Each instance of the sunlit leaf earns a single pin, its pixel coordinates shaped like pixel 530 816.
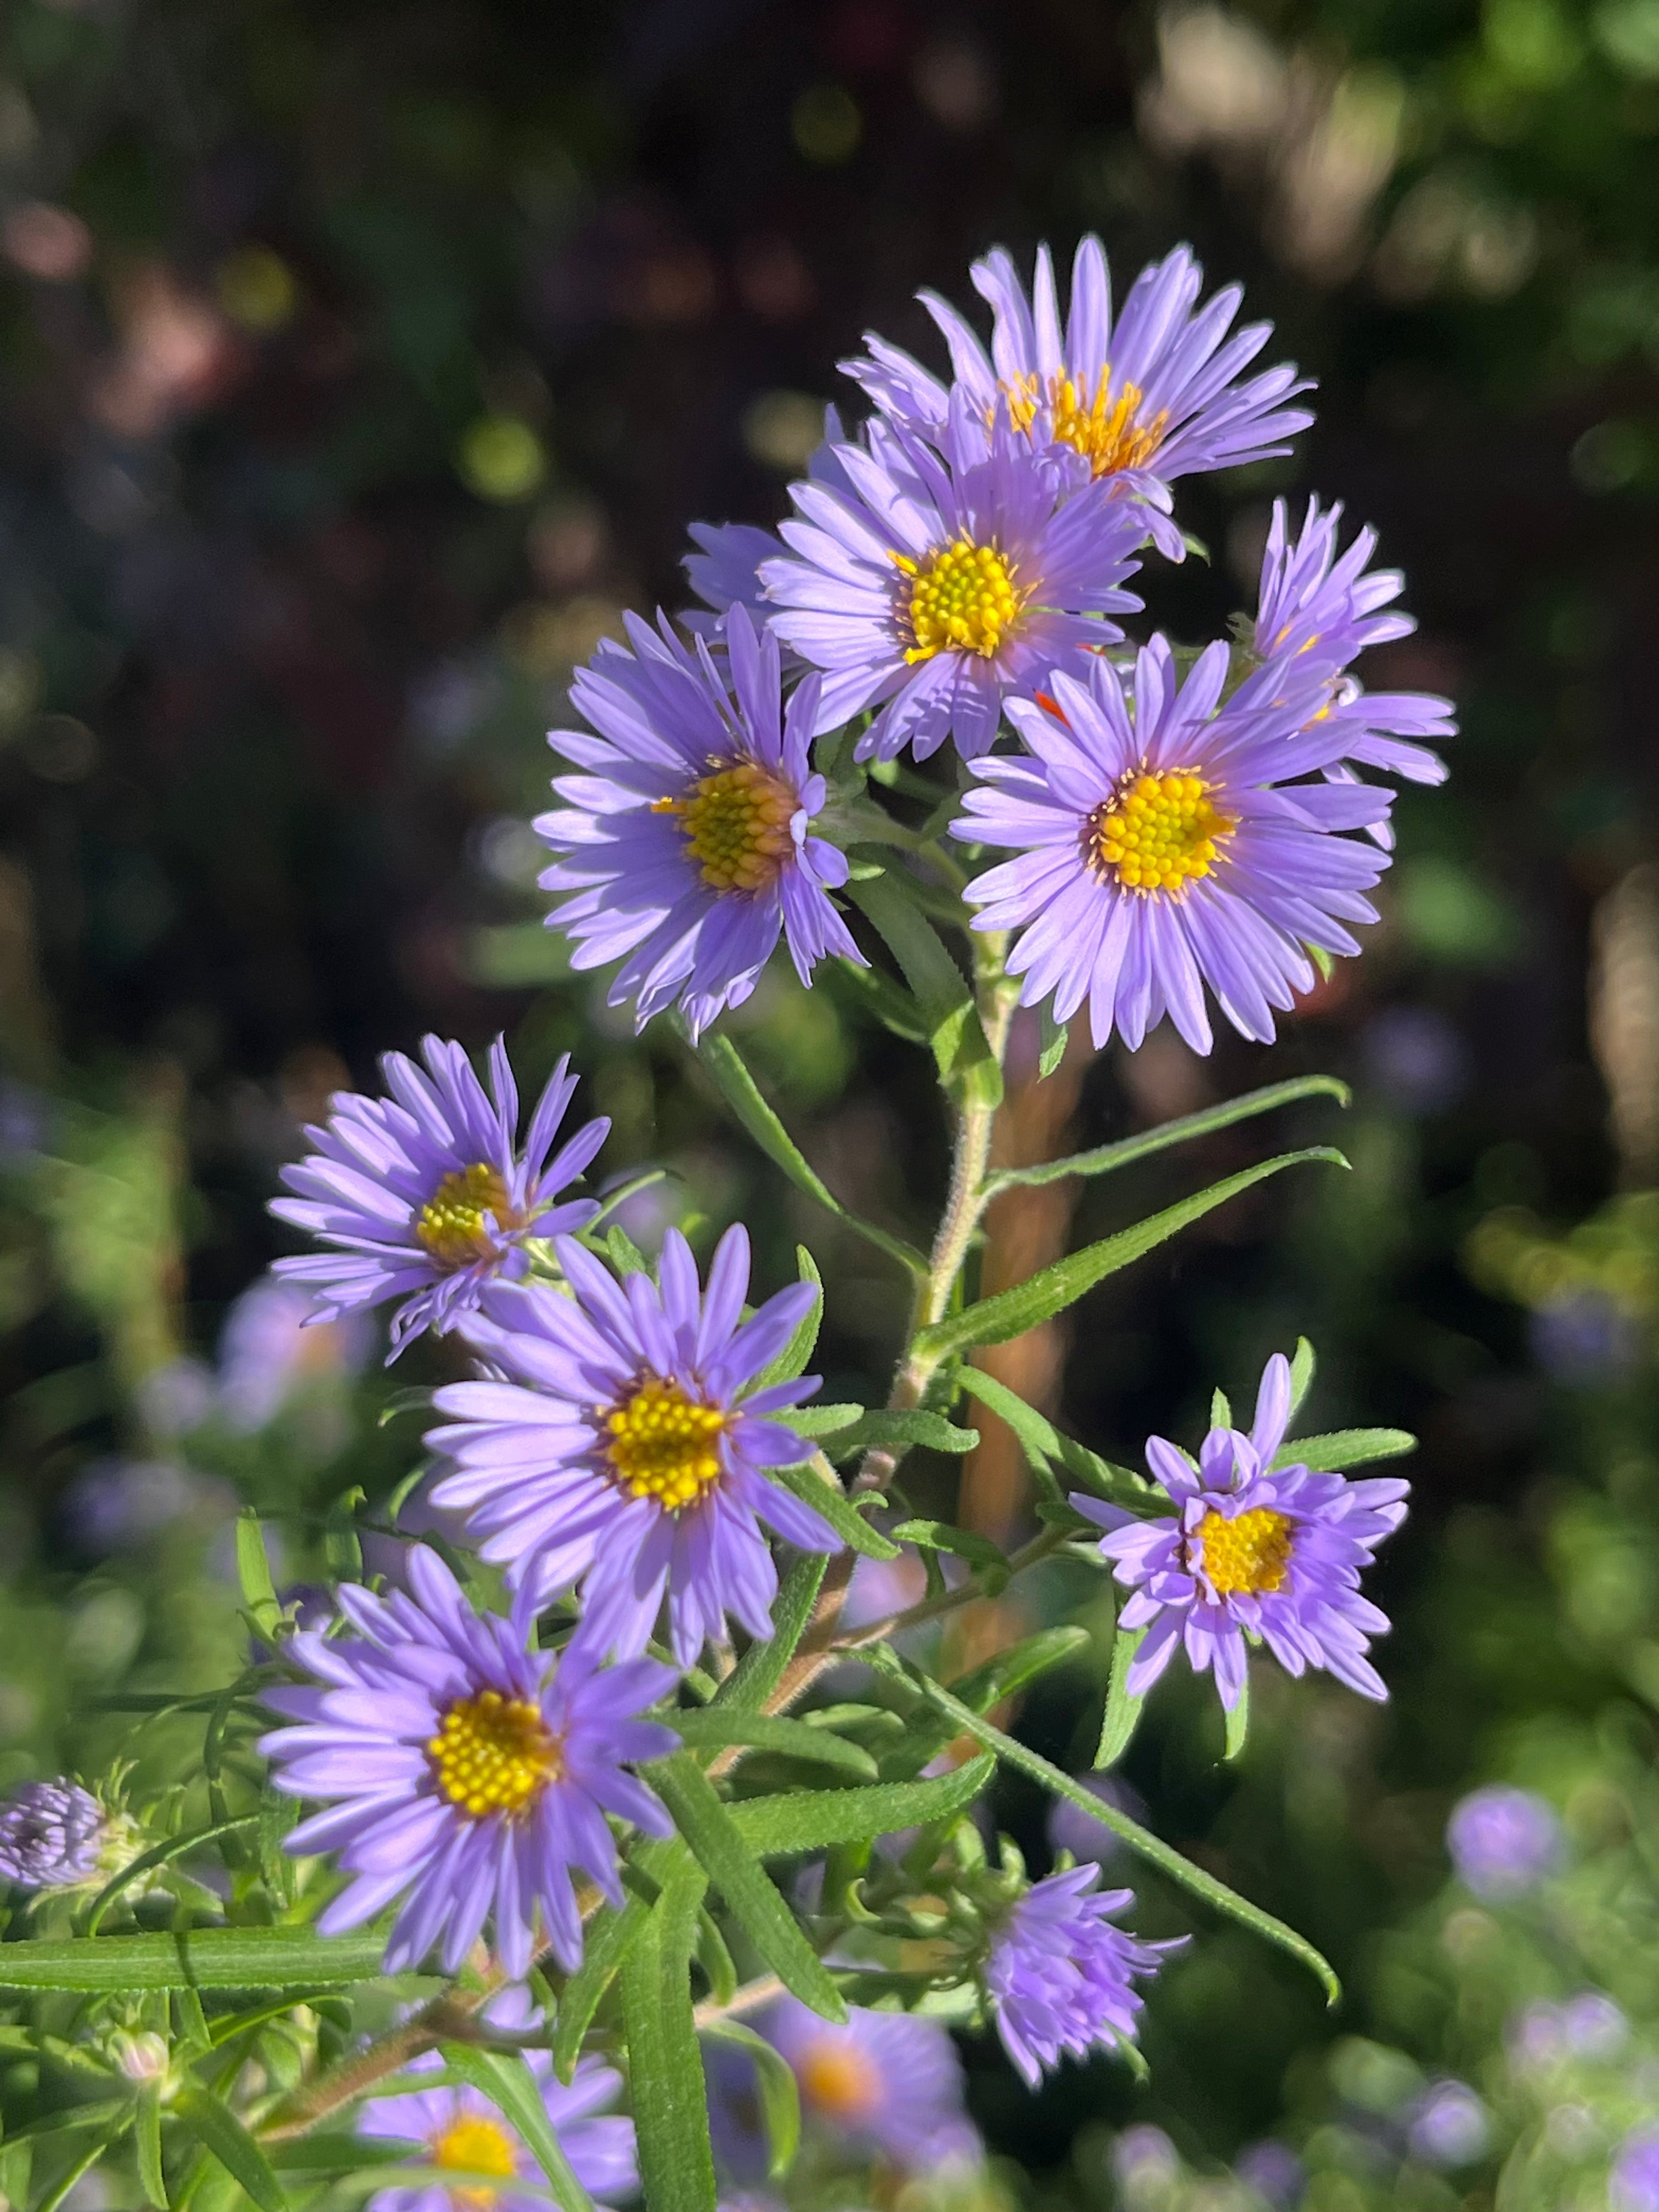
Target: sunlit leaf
pixel 1103 1158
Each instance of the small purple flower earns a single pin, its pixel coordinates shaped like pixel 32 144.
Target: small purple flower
pixel 622 1444
pixel 1633 2184
pixel 1159 394
pixel 467 1774
pixel 1256 1548
pixel 684 842
pixel 1589 2026
pixel 1450 2126
pixel 941 581
pixel 1059 1976
pixel 53 1835
pixel 276 1342
pixel 1162 845
pixel 1503 1842
pixel 458 2130
pixel 423 1195
pixel 1275 2174
pixel 885 2085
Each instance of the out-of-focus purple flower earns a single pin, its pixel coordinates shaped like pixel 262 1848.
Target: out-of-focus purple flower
pixel 1156 394
pixel 1145 2163
pixel 115 1503
pixel 425 1196
pixel 458 2130
pixel 1070 1828
pixel 1587 2026
pixel 1276 1552
pixel 1450 2126
pixel 1059 1976
pixel 174 1399
pixel 886 2085
pixel 684 842
pixel 1582 1337
pixel 467 1774
pixel 881 1587
pixel 622 1444
pixel 1633 2184
pixel 1416 1058
pixel 944 581
pixel 1274 2172
pixel 53 1836
pixel 1503 1842
pixel 278 1340
pixel 1161 843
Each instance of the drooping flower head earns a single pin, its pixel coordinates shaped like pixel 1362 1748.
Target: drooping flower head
pixel 1061 1977
pixel 884 2085
pixel 424 1196
pixel 1503 1842
pixel 942 579
pixel 1160 394
pixel 1275 1551
pixel 274 1345
pixel 466 1773
pixel 1162 844
pixel 685 842
pixel 461 2132
pixel 55 1835
pixel 623 1445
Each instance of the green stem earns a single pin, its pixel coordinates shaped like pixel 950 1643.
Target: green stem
pixel 877 1632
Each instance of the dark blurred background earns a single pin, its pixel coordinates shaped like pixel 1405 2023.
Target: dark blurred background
pixel 362 364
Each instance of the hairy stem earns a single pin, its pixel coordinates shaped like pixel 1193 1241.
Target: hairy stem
pixel 877 1632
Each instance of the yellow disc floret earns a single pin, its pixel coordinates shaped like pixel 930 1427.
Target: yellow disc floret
pixel 839 2080
pixel 964 598
pixel 665 1445
pixel 475 2144
pixel 1161 832
pixel 494 1755
pixel 1250 1553
pixel 736 821
pixel 451 1224
pixel 1106 428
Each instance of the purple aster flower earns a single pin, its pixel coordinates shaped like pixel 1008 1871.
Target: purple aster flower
pixel 1159 393
pixel 1161 845
pixel 1450 2126
pixel 457 2129
pixel 1255 1548
pixel 620 1443
pixel 467 1774
pixel 939 581
pixel 275 1342
pixel 1274 2172
pixel 423 1195
pixel 1503 1842
pixel 54 1835
pixel 1059 1976
pixel 885 2085
pixel 685 842
pixel 1633 2184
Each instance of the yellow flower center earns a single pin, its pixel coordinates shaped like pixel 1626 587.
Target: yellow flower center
pixel 1107 430
pixel 475 2145
pixel 494 1755
pixel 451 1224
pixel 665 1445
pixel 1251 1552
pixel 1159 833
pixel 839 2080
pixel 736 824
pixel 962 598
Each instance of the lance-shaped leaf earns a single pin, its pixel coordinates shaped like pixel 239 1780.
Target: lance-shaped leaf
pixel 886 1001
pixel 670 2098
pixel 715 1727
pixel 650 1868
pixel 707 1824
pixel 904 1429
pixel 147 2142
pixel 1345 1448
pixel 1237 1717
pixel 715 1958
pixel 742 1094
pixel 1104 1158
pixel 1302 1374
pixel 511 2087
pixel 980 1554
pixel 796 1354
pixel 1140 1840
pixel 818 1420
pixel 1053 1038
pixel 813 1820
pixel 198 1958
pixel 777 2091
pixel 223 2138
pixel 1122 1715
pixel 253 1574
pixel 760 1670
pixel 1005 1674
pixel 1051 1290
pixel 1047 1448
pixel 966 1064
pixel 827 1497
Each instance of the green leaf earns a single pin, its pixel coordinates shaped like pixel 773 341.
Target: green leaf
pixel 715 1959
pixel 417 1399
pixel 831 1501
pixel 813 1820
pixel 607 1941
pixel 742 1094
pixel 716 1726
pixel 1053 1038
pixel 1051 1290
pixel 794 1360
pixel 1122 1714
pixel 1302 1374
pixel 1036 1435
pixel 777 2090
pixel 1238 1723
pixel 966 1065
pixel 1344 1448
pixel 173 1847
pixel 197 1959
pixel 1103 1158
pixel 253 1574
pixel 147 2141
pixel 906 1430
pixel 670 2096
pixel 512 2089
pixel 888 1002
pixel 1140 1840
pixel 707 1824
pixel 1010 1671
pixel 336 2151
pixel 343 1551
pixel 223 2138
pixel 623 1254
pixel 760 1670
pixel 821 1420
pixel 980 1554
pixel 1221 1410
